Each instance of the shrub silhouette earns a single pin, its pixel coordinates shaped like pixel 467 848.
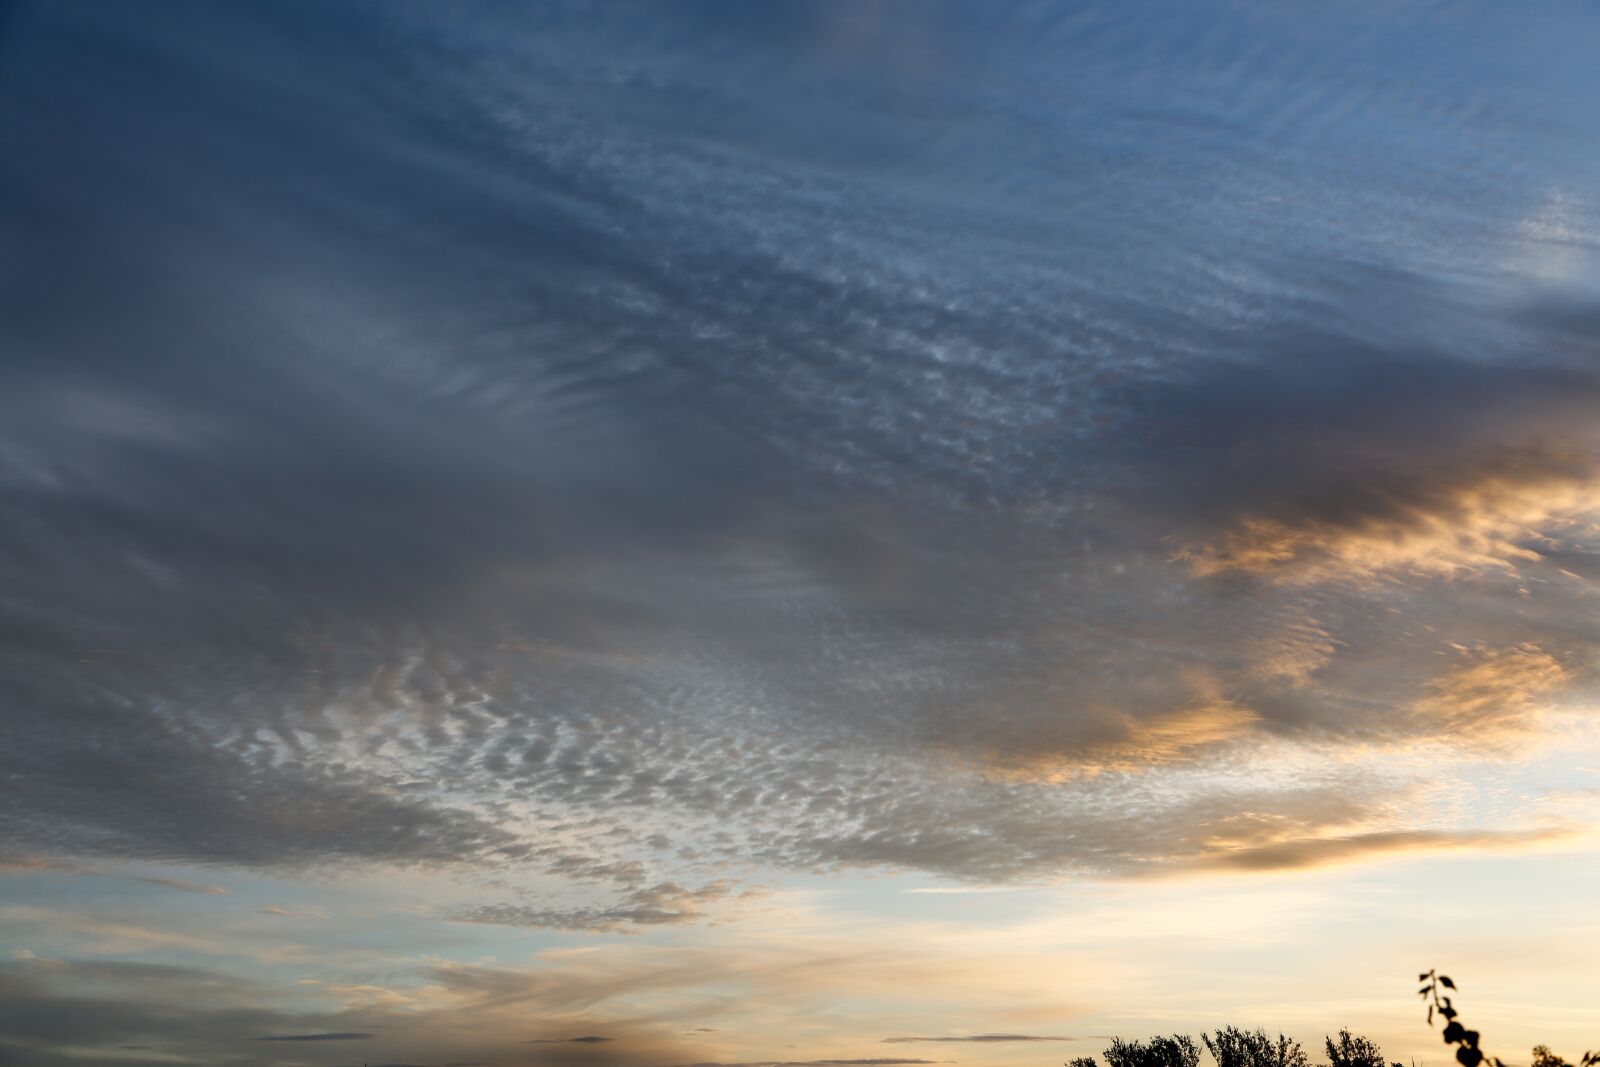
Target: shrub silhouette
pixel 1229 1046
pixel 1543 1057
pixel 1179 1050
pixel 1233 1047
pixel 1352 1050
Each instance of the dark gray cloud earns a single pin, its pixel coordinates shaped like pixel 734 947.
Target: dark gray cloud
pixel 424 442
pixel 318 1037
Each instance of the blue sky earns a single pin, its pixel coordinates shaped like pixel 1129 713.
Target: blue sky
pixel 748 531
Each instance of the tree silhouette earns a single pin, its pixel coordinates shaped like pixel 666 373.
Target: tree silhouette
pixel 1543 1057
pixel 1233 1047
pixel 1179 1050
pixel 1353 1051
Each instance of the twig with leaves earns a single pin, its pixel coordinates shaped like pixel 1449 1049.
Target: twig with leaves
pixel 1468 1054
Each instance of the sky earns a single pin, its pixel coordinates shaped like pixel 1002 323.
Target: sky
pixel 833 534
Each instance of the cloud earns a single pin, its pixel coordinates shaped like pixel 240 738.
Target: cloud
pixel 184 886
pixel 838 441
pixel 291 816
pixel 1496 520
pixel 665 903
pixel 804 505
pixel 587 1040
pixel 872 1062
pixel 1316 852
pixel 1494 697
pixel 1165 737
pixel 961 890
pixel 980 1038
pixel 100 1005
pixel 25 864
pixel 105 933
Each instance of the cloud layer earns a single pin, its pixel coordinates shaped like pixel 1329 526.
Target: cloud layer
pixel 627 464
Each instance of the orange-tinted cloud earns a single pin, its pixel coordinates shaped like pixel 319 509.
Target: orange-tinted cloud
pixel 1495 697
pixel 1491 519
pixel 1139 743
pixel 1324 851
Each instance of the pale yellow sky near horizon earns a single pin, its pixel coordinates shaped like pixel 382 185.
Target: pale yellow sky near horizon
pixel 831 968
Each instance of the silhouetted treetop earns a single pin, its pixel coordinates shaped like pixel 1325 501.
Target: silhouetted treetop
pixel 1350 1050
pixel 1543 1057
pixel 1233 1047
pixel 1179 1050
